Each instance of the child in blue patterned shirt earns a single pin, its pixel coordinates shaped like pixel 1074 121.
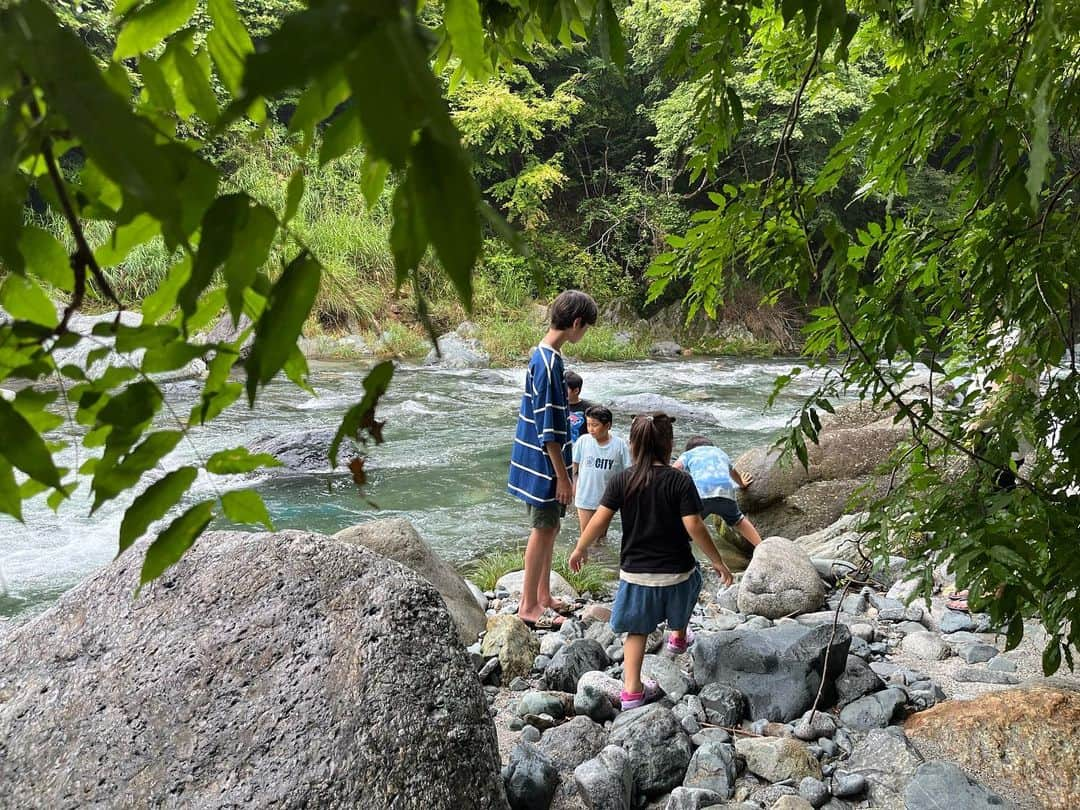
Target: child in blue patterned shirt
pixel 716 479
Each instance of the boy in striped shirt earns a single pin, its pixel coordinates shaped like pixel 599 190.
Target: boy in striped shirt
pixel 540 461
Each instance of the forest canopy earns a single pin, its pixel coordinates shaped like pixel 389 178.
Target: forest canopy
pixel 904 172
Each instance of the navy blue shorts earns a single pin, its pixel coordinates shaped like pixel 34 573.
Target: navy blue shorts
pixel 726 508
pixel 640 609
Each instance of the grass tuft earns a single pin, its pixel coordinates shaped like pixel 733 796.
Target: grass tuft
pixel 593 578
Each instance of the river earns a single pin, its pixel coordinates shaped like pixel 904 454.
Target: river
pixel 443 465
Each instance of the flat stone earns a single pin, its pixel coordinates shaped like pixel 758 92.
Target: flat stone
pixel 976 653
pixel 778 758
pixel 926 645
pixel 712 767
pixel 953 621
pixel 984 675
pixel 887 761
pixel 933 780
pixel 874 711
pixel 1001 664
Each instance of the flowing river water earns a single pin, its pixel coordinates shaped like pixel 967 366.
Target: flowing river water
pixel 443 465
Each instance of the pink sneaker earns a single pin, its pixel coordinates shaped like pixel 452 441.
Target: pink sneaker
pixel 649 693
pixel 678 645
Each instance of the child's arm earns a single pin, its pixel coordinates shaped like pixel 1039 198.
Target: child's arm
pixel 742 480
pixel 678 465
pixel 596 529
pixel 699 533
pixel 564 490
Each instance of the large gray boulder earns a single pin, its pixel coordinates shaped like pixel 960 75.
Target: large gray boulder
pixel 458 352
pixel 935 779
pixel 887 761
pixel 778 669
pixel 572 661
pixel 780 581
pixel 606 782
pixel 659 749
pixel 263 670
pixel 631 404
pixel 397 539
pixel 298 451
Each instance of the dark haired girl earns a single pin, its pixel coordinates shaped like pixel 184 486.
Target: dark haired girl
pixel 659 578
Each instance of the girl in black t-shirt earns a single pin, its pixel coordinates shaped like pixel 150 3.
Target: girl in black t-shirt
pixel 659 578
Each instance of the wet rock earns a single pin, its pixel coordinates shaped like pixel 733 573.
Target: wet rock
pixel 887 761
pixel 927 645
pixel 516 647
pixel 572 661
pixel 778 758
pixel 780 581
pixel 458 352
pixel 933 780
pixel 658 747
pixel 712 767
pixel 644 403
pixel 397 539
pixel 606 782
pixel 530 778
pixel 265 657
pixel 874 711
pixel 298 451
pixel 778 670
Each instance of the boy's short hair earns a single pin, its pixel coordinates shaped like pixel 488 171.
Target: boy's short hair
pixel 599 413
pixel 568 306
pixel 573 380
pixel 698 441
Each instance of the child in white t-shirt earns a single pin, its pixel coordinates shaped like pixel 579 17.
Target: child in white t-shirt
pixel 598 456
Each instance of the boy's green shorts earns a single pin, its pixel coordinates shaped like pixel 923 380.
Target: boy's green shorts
pixel 546 517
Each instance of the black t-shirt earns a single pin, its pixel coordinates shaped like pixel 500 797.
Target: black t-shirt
pixel 654 538
pixel 576 415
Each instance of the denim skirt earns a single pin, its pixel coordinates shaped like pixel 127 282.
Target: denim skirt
pixel 640 609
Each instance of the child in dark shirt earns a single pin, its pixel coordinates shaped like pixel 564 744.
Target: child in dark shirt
pixel 659 578
pixel 575 405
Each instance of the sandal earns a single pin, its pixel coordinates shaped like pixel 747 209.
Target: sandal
pixel 650 691
pixel 561 607
pixel 548 620
pixel 680 645
pixel 958 602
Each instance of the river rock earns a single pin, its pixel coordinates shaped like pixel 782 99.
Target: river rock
pixel 953 621
pixel 933 780
pixel 513 583
pixel 262 670
pixel 874 711
pixel 298 451
pixel 458 352
pixel 665 348
pixel 887 761
pixel 926 645
pixel 780 581
pixel 397 539
pixel 572 661
pixel 778 758
pixel 984 675
pixel 598 696
pixel 549 703
pixel 569 745
pixel 646 403
pixel 724 705
pixel 814 791
pixel 779 670
pixel 691 798
pixel 606 782
pixel 814 725
pixel 790 802
pixel 667 674
pixel 530 778
pixel 516 647
pixel 712 767
pixel 976 653
pixel 659 749
pixel 1028 739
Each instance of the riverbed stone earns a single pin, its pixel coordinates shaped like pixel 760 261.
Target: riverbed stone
pixel 530 778
pixel 925 644
pixel 569 745
pixel 874 711
pixel 820 724
pixel 276 659
pixel 659 749
pixel 712 767
pixel 647 402
pixel 976 653
pixel 306 451
pixel 1027 739
pixel 724 705
pixel 780 581
pixel 458 352
pixel 887 761
pixel 535 702
pixel 572 661
pixel 779 670
pixel 814 791
pixel 606 782
pixel 953 621
pixel 691 798
pixel 933 780
pixel 514 581
pixel 516 647
pixel 984 675
pixel 778 758
pixel 397 539
pixel 672 680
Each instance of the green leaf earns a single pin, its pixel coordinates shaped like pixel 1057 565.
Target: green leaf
pixel 293 195
pixel 373 179
pixel 830 18
pixel 246 506
pixel 24 448
pixel 160 302
pixel 342 136
pixel 10 500
pixel 279 326
pixel 463 24
pixel 46 258
pixel 447 198
pixel 408 240
pixel 1039 157
pixel 239 460
pixel 150 24
pixel 171 544
pixel 612 44
pixel 24 299
pixel 229 43
pixel 194 71
pixel 375 384
pixel 140 230
pixel 110 481
pixel 1051 658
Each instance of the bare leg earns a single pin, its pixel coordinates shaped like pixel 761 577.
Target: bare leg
pixel 536 588
pixel 679 634
pixel 633 655
pixel 747 530
pixel 584 516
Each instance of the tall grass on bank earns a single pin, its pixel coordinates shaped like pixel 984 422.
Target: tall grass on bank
pixel 593 578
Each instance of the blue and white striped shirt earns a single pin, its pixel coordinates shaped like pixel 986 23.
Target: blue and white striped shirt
pixel 543 418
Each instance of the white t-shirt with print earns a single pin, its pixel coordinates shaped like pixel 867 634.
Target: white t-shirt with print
pixel 597 464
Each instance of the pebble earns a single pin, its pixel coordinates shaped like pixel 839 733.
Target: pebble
pixel 814 791
pixel 540 663
pixel 1001 664
pixel 847 785
pixel 864 631
pixel 519 685
pixel 530 734
pixel 828 747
